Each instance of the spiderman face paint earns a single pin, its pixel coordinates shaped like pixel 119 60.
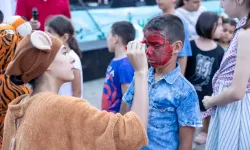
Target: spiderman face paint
pixel 159 50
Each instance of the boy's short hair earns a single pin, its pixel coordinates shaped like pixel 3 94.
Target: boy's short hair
pixel 232 22
pixel 1 16
pixel 206 23
pixel 125 30
pixel 171 25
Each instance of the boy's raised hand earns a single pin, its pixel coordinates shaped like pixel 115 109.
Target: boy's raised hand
pixel 137 56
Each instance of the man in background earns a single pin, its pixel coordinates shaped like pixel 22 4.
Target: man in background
pixel 45 9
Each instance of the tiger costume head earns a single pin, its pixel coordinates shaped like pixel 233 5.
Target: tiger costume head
pixel 21 25
pixel 8 42
pixel 11 33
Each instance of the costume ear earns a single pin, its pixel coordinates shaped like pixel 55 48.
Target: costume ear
pixel 41 40
pixel 24 29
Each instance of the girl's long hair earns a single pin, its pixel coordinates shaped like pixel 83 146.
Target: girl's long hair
pixel 61 25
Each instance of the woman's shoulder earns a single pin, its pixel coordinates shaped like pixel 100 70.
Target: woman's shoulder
pixel 54 98
pixel 58 103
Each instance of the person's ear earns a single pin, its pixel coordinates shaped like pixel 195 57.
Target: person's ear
pixel 116 39
pixel 177 47
pixel 65 37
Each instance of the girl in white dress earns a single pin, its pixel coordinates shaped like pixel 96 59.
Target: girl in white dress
pixel 61 27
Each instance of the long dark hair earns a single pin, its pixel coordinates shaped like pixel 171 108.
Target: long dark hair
pixel 230 21
pixel 61 25
pixel 247 25
pixel 179 3
pixel 205 24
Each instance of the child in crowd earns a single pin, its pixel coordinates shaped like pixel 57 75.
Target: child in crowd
pixel 190 10
pixel 173 102
pixel 229 26
pixel 168 7
pixel 206 59
pixel 61 27
pixel 120 72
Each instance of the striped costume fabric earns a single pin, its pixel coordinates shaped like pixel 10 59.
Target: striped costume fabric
pixel 8 91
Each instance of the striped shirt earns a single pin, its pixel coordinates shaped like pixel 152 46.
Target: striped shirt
pixel 226 71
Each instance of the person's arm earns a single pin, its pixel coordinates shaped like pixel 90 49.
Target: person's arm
pixel 140 105
pixel 127 99
pixel 23 10
pixel 124 106
pixel 94 127
pixel 241 76
pixel 137 56
pixel 124 88
pixel 126 73
pixel 183 64
pixel 121 132
pixel 189 117
pixel 186 138
pixel 76 83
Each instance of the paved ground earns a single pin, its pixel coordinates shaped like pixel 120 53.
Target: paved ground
pixel 93 92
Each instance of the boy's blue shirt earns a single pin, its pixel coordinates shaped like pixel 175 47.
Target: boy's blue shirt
pixel 186 50
pixel 119 72
pixel 173 102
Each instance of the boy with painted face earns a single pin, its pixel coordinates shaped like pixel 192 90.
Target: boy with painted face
pixel 168 7
pixel 173 103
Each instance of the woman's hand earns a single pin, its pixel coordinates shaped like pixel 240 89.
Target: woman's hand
pixel 207 102
pixel 137 56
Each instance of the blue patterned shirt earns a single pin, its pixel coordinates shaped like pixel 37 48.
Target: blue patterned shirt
pixel 173 102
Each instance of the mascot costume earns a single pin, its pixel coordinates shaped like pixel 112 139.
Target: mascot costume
pixel 11 33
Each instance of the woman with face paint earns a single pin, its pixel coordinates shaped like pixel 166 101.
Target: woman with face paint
pixel 206 59
pixel 174 106
pixel 230 118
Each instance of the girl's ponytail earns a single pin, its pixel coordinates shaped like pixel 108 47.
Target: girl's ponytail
pixel 61 25
pixel 74 46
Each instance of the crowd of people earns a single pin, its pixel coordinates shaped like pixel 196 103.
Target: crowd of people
pixel 190 71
